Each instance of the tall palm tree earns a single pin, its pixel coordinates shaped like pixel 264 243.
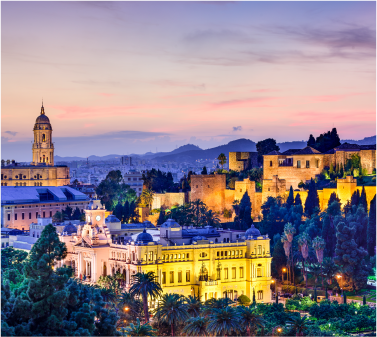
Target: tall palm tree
pixel 197 210
pixel 144 285
pixel 223 322
pixel 222 159
pixel 139 329
pixel 172 309
pixel 250 318
pixel 193 305
pixel 146 197
pixel 108 295
pixel 211 219
pixel 330 269
pixel 299 324
pixel 214 303
pixel 196 326
pixel 316 271
pixel 129 305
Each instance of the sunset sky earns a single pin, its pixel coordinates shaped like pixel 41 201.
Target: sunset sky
pixel 130 77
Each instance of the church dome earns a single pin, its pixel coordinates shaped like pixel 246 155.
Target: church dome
pixel 253 232
pixel 144 237
pixel 170 223
pixel 42 119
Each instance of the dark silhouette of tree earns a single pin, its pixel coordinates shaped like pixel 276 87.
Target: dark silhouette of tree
pixel 363 200
pixel 371 231
pixel 327 141
pixel 161 218
pixel 298 200
pixel 266 146
pixel 312 201
pixel 290 199
pixel 204 171
pixel 333 197
pixel 311 141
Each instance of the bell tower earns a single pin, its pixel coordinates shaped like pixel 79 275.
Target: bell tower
pixel 43 148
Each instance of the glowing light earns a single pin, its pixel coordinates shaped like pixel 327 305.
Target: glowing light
pixel 126 308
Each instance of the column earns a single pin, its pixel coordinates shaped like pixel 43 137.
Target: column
pixel 79 264
pixel 94 268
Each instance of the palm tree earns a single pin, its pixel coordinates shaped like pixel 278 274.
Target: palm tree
pixel 139 330
pixel 299 324
pixel 197 209
pixel 144 285
pixel 108 295
pixel 129 305
pixel 316 271
pixel 214 303
pixel 250 318
pixel 211 219
pixel 193 305
pixel 196 326
pixel 223 322
pixel 222 159
pixel 172 309
pixel 329 269
pixel 303 242
pixel 146 197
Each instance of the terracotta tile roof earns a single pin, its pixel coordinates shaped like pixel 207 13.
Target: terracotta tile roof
pixel 346 146
pixel 308 150
pixel 273 153
pixel 368 147
pixel 290 151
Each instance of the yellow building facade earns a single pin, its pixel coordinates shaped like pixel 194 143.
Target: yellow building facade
pixel 202 266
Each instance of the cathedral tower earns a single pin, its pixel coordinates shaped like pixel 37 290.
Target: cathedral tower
pixel 43 148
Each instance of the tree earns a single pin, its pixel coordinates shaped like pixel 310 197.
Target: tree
pixel 279 259
pixel 172 310
pixel 298 200
pixel 194 305
pixel 299 324
pixel 222 160
pixel 249 318
pixel 139 329
pixel 333 197
pixel 303 242
pixel 118 211
pixel 329 269
pixel 312 201
pixel 243 300
pixel 126 211
pixel 355 198
pixel 196 326
pixel 311 141
pixel 211 219
pixel 371 231
pixel 329 220
pixel 266 146
pixel 146 197
pixel 223 321
pixel 350 258
pixel 68 213
pixel 161 218
pixel 144 285
pixel 290 199
pixel 129 307
pixel 244 213
pixel 58 217
pixel 76 214
pixel 197 210
pixel 327 141
pixel 359 220
pixel 204 171
pixel 363 200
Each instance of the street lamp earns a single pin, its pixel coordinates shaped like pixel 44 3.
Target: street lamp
pixel 273 281
pixel 279 330
pixel 284 270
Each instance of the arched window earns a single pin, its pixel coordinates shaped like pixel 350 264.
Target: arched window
pixel 16 184
pixel 43 138
pixel 44 158
pixel 260 294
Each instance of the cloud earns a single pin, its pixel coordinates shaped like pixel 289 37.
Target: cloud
pixel 237 128
pixel 12 133
pixel 4 139
pixel 239 102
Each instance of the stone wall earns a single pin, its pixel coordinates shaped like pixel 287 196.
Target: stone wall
pixel 167 200
pixel 368 160
pixel 239 161
pixel 273 187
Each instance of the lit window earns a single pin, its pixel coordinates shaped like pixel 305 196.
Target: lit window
pixel 298 163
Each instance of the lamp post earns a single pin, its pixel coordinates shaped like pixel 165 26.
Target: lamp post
pixel 284 270
pixel 274 281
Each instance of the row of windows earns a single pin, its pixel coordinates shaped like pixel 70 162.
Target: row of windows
pixel 20 176
pixel 230 253
pixel 171 257
pixel 234 273
pixel 23 216
pixel 134 179
pixel 299 163
pixel 4 244
pixel 171 277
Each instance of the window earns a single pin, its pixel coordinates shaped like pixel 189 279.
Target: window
pixel 233 272
pixel 260 294
pixel 259 250
pixel 50 214
pixel 241 272
pixel 298 163
pixel 225 273
pixel 36 215
pixel 23 216
pixel 307 164
pixel 317 163
pixel 232 252
pixel 259 272
pixel 15 217
pixel 197 186
pixel 163 277
pixel 8 217
pixel 268 189
pixel 179 277
pixel 187 276
pixel 218 253
pixel 172 277
pixel 270 163
pixel 44 214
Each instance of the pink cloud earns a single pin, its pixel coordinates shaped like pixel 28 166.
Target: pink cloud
pixel 240 102
pixel 88 125
pixel 333 98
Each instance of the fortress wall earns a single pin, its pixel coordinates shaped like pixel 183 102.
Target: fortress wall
pixel 257 205
pixel 168 200
pixel 238 161
pixel 229 199
pixel 368 160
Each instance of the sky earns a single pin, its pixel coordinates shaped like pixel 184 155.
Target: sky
pixel 133 77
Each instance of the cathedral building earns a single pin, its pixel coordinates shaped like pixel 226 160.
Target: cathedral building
pixel 41 171
pixel 211 262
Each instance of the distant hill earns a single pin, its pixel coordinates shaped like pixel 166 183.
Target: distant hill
pixel 242 144
pixel 365 141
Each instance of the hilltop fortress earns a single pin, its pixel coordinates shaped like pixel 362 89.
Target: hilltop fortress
pixel 280 172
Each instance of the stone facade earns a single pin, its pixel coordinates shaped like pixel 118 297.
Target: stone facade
pixel 240 161
pixel 167 200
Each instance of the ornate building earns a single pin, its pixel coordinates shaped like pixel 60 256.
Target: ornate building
pixel 210 262
pixel 41 171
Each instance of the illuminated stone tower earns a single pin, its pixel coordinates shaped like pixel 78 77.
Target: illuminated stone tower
pixel 43 148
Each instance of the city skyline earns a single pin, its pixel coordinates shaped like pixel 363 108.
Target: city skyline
pixel 120 77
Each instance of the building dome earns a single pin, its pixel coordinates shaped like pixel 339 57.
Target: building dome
pixel 42 121
pixel 144 237
pixel 170 223
pixel 253 232
pixel 69 229
pixel 198 237
pixel 112 218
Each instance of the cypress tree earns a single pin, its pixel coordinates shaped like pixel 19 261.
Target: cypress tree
pixel 254 301
pixel 355 198
pixel 344 298
pixel 247 221
pixel 126 211
pixel 298 200
pixel 333 197
pixel 326 294
pixel 312 201
pixel 311 141
pixel 364 300
pixel 290 199
pixel 161 218
pixel 363 200
pixel 341 170
pixel 244 204
pixel 118 211
pixel 204 171
pixel 76 214
pixel 337 169
pixel 315 294
pixel 371 230
pixel 331 169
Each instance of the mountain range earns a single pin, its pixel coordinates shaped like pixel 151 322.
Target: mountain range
pixel 190 152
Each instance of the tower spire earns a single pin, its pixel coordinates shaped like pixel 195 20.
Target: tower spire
pixel 42 109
